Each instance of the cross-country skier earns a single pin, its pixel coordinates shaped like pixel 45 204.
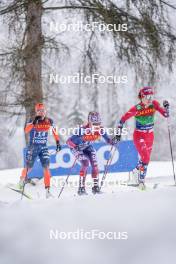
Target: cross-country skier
pixel 38 129
pixel 81 147
pixel 143 135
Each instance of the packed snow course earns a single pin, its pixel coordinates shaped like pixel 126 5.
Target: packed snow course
pixel 147 218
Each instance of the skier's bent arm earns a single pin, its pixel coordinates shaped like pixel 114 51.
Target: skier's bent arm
pixel 132 112
pixel 54 130
pixel 31 124
pixel 163 111
pixel 28 127
pixel 57 139
pixel 55 134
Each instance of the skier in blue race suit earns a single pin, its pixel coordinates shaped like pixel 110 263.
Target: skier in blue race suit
pixel 38 137
pixel 81 147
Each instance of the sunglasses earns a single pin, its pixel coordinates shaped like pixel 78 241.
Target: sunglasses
pixel 40 111
pixel 149 97
pixel 96 124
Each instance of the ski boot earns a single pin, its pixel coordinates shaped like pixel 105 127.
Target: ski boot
pixel 142 174
pixel 96 188
pixel 133 181
pixel 142 186
pixel 48 193
pixel 30 181
pixel 82 191
pixel 21 184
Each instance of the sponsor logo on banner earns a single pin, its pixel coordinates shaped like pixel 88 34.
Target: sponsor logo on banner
pixel 124 160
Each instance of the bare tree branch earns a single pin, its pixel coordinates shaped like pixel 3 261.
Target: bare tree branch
pixel 166 3
pixel 68 7
pixel 12 7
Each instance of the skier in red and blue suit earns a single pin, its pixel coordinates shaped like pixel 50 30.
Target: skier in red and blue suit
pixel 81 147
pixel 143 136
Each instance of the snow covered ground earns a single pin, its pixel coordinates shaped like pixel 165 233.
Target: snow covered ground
pixel 145 220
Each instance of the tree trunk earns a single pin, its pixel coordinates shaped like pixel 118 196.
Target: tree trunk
pixel 32 57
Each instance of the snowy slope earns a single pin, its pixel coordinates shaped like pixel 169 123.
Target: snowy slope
pixel 149 219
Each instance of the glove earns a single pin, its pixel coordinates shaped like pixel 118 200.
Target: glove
pixel 37 118
pixel 77 153
pixel 58 146
pixel 166 104
pixel 113 141
pixel 117 137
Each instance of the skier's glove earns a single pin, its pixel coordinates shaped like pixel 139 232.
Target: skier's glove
pixel 113 141
pixel 77 152
pixel 117 137
pixel 166 104
pixel 58 146
pixel 37 118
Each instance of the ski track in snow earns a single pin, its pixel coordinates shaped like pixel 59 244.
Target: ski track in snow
pixel 149 218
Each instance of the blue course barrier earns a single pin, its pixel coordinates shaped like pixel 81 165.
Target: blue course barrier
pixel 124 160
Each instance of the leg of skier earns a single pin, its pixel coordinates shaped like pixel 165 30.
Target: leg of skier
pixel 91 153
pixel 31 155
pixel 81 156
pixel 82 175
pixel 143 142
pixel 45 161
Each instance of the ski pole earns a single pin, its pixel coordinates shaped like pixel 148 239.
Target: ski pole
pixel 171 150
pixel 107 164
pixel 66 181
